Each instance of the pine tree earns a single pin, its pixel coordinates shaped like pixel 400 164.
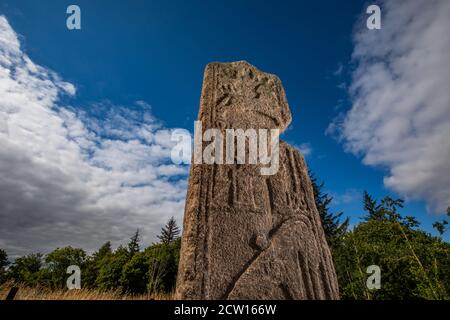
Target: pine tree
pixel 369 203
pixel 133 245
pixel 169 232
pixel 104 250
pixel 3 264
pixel 389 208
pixel 3 259
pixel 441 226
pixel 386 210
pixel 371 207
pixel 331 223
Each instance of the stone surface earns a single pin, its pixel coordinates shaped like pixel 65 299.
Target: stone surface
pixel 245 235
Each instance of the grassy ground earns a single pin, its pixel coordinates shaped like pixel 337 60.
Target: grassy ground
pixel 40 293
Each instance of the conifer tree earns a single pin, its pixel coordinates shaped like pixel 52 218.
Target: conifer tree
pixel 331 223
pixel 169 232
pixel 133 245
pixel 370 206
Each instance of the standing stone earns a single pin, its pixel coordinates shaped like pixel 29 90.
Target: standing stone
pixel 246 235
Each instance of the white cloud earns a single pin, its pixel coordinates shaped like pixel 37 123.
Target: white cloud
pixel 77 178
pixel 339 70
pixel 400 114
pixel 346 197
pixel 304 148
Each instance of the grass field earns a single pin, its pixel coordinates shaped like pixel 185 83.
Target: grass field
pixel 42 293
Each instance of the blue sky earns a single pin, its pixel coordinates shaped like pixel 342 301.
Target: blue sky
pixel 154 52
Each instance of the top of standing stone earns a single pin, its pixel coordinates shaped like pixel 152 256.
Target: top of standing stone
pixel 241 96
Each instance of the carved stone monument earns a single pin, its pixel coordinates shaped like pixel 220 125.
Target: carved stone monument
pixel 247 235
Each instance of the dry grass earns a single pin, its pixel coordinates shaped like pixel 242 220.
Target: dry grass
pixel 42 293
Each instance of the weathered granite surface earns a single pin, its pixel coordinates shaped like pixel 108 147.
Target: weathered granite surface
pixel 246 235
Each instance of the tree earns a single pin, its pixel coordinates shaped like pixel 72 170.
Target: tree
pixel 134 274
pixel 116 271
pixel 57 261
pixel 414 265
pixel 410 222
pixel 3 259
pixel 3 264
pixel 94 263
pixel 26 269
pixel 163 261
pixel 386 210
pixel 111 269
pixel 133 245
pixel 371 207
pixel 104 251
pixel 389 208
pixel 332 226
pixel 169 232
pixel 441 226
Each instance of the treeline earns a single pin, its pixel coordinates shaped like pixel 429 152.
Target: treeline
pixel 413 263
pixel 127 269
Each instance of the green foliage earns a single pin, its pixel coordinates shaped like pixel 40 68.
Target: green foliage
pixel 3 259
pixel 334 229
pixel 94 263
pixel 163 266
pixel 111 269
pixel 169 232
pixel 386 210
pixel 26 269
pixel 441 226
pixel 133 278
pixel 153 270
pixel 371 207
pixel 133 245
pixel 3 264
pixel 414 265
pixel 57 262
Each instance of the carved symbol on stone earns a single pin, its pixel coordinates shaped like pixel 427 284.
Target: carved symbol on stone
pixel 248 236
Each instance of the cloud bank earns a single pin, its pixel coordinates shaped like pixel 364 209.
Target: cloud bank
pixel 400 113
pixel 77 178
